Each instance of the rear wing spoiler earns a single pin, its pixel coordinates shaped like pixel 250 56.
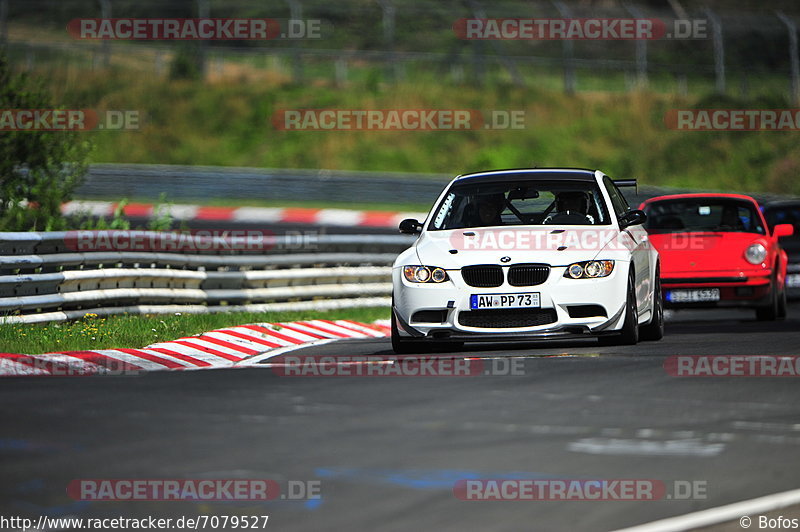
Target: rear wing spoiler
pixel 627 183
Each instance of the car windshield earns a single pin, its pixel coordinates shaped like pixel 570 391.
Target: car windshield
pixel 703 215
pixel 539 202
pixel 784 214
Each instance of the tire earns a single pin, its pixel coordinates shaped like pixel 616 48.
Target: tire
pixel 655 329
pixel 629 334
pixel 782 305
pixel 771 311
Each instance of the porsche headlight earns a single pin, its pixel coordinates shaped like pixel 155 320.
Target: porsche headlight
pixel 755 253
pixel 590 269
pixel 424 274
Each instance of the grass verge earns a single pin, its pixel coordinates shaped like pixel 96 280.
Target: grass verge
pixel 93 333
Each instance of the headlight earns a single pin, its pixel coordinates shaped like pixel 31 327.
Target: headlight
pixel 755 254
pixel 424 274
pixel 590 269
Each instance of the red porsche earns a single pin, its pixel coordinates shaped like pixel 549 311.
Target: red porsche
pixel 717 250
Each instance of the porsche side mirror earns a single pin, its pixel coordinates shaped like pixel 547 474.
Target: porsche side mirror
pixel 632 217
pixel 783 230
pixel 410 226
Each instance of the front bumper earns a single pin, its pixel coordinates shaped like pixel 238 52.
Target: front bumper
pixel 736 289
pixel 559 297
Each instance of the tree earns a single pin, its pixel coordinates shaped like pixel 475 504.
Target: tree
pixel 39 170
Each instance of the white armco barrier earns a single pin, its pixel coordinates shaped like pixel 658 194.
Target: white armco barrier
pixel 44 277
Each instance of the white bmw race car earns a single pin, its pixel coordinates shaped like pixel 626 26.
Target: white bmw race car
pixel 524 254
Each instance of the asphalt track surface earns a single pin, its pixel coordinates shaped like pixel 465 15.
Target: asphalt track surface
pixel 388 450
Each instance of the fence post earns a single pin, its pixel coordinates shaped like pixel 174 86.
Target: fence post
pixel 388 22
pixel 641 49
pixel 791 27
pixel 341 71
pixel 203 11
pixel 509 65
pixel 567 51
pixel 296 14
pixel 105 12
pixel 719 50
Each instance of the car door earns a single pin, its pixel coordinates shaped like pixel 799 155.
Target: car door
pixel 640 253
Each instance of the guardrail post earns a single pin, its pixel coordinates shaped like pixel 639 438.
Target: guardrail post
pixel 791 27
pixel 296 14
pixel 508 64
pixel 719 50
pixel 641 49
pixel 105 12
pixel 388 23
pixel 567 51
pixel 203 11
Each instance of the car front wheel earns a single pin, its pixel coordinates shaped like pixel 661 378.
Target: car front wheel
pixel 655 329
pixel 629 334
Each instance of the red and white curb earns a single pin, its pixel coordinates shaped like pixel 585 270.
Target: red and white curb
pixel 215 349
pixel 293 215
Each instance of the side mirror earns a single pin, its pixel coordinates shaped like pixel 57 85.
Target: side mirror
pixel 783 230
pixel 410 226
pixel 632 217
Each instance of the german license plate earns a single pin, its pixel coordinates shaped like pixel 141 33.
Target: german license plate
pixel 484 301
pixel 700 295
pixel 793 280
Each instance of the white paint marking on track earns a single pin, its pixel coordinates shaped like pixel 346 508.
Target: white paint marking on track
pixel 721 514
pixel 614 446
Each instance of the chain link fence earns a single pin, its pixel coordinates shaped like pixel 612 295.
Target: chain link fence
pixel 385 41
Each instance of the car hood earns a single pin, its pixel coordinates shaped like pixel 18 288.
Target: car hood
pixel 711 251
pixel 554 245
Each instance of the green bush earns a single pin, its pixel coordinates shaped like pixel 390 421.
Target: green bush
pixel 39 170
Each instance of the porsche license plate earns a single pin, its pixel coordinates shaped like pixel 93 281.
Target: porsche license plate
pixel 487 301
pixel 700 295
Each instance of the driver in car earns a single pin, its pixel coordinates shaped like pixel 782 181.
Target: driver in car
pixel 572 207
pixel 485 211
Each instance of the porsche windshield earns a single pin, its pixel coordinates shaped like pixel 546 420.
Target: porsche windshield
pixel 539 202
pixel 703 215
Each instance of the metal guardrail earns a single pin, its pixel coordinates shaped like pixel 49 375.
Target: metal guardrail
pixel 193 183
pixel 43 278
